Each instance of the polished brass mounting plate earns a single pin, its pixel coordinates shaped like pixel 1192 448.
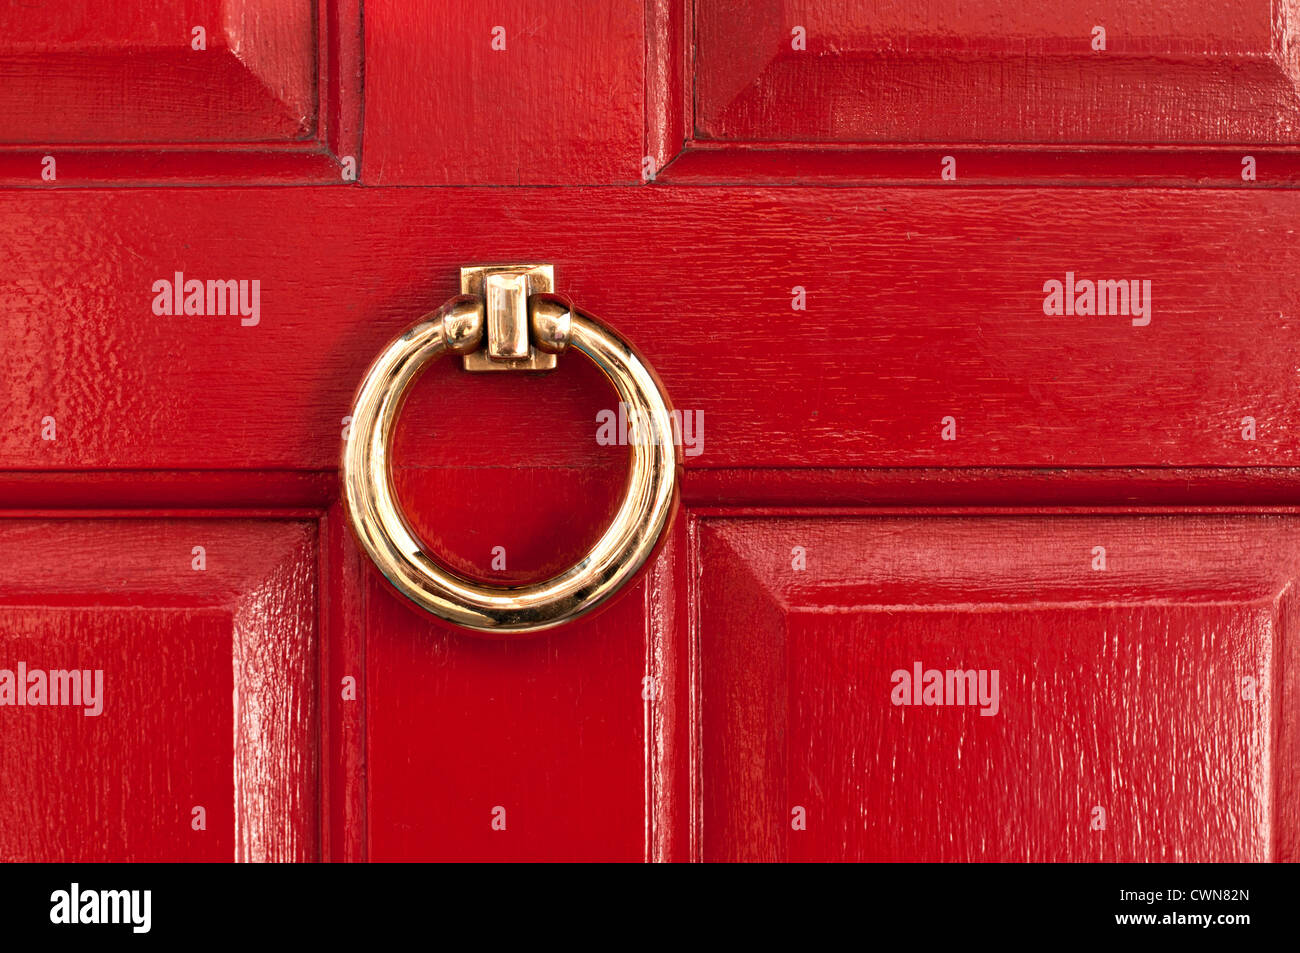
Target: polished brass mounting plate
pixel 505 290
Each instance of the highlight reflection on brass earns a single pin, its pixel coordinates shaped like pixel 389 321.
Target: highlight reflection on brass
pixel 381 528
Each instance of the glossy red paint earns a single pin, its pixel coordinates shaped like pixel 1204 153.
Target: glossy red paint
pixel 922 303
pixel 205 632
pixel 201 92
pixel 1036 72
pixel 316 716
pixel 1116 689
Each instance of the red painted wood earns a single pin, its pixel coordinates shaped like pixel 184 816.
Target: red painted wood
pixel 320 717
pixel 706 162
pixel 342 693
pixel 207 697
pixel 82 166
pixel 921 304
pixel 117 97
pixel 549 729
pixel 669 61
pixel 90 75
pixel 563 103
pixel 1119 689
pixel 946 71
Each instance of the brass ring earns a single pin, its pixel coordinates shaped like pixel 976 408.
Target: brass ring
pixel 381 528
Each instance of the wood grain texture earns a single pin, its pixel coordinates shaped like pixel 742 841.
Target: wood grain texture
pixel 710 162
pixel 89 25
pixel 208 695
pixel 120 98
pixel 563 103
pixel 185 96
pixel 943 71
pixel 920 305
pixel 672 748
pixel 1119 688
pixel 342 691
pixel 97 74
pixel 550 729
pixel 669 85
pixel 686 718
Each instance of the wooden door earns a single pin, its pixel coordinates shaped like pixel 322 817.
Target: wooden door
pixel 983 321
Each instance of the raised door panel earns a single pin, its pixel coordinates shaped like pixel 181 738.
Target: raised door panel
pixel 945 71
pixel 955 687
pixel 156 679
pixel 202 71
pixel 201 92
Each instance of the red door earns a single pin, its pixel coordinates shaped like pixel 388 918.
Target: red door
pixel 980 324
